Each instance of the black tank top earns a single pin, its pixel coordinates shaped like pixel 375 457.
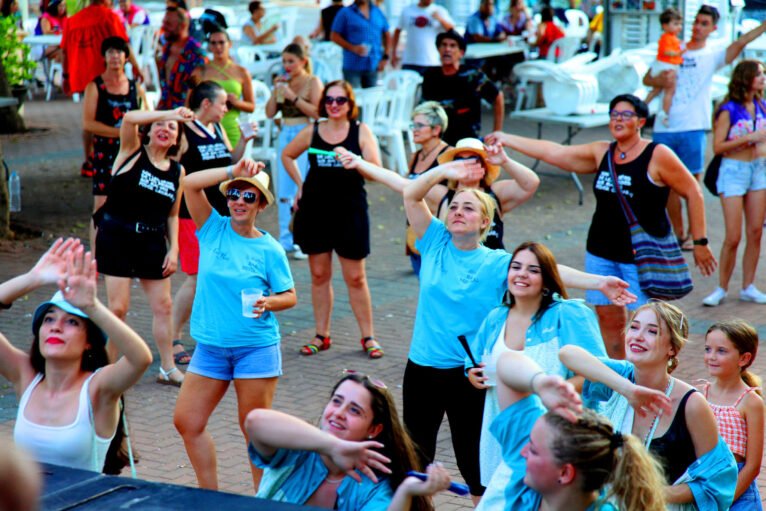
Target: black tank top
pixel 675 449
pixel 433 165
pixel 206 152
pixel 609 235
pixel 110 109
pixel 494 238
pixel 328 183
pixel 143 193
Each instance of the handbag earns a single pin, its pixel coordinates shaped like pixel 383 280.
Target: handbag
pixel 711 174
pixel 662 269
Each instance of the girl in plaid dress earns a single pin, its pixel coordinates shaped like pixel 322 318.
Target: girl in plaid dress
pixel 734 395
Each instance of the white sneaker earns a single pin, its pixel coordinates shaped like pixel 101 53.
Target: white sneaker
pixel 752 294
pixel 715 298
pixel 298 254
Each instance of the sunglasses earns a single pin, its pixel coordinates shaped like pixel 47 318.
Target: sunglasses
pixel 467 158
pixel 624 115
pixel 234 194
pixel 374 381
pixel 414 126
pixel 340 100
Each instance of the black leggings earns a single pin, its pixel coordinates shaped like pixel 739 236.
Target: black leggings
pixel 428 393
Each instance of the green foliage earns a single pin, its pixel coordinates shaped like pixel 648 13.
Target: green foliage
pixel 14 54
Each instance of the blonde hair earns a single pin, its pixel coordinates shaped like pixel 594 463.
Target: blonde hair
pixel 435 114
pixel 674 320
pixel 487 208
pixel 600 456
pixel 744 337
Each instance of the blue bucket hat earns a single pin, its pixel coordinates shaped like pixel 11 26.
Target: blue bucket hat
pixel 59 301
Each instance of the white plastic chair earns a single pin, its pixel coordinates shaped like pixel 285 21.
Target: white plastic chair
pixel 405 84
pixel 327 58
pixel 384 105
pixel 565 48
pixel 264 148
pixel 578 23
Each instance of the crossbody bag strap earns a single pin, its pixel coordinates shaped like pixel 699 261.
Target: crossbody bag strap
pixel 629 216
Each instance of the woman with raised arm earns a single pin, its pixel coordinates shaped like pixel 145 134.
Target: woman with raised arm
pixel 699 469
pixel 461 281
pixel 506 194
pixel 331 192
pixel 567 459
pixel 646 172
pixel 354 461
pixel 243 279
pixel 137 227
pixel 70 410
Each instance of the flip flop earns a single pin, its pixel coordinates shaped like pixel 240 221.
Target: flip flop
pixel 182 357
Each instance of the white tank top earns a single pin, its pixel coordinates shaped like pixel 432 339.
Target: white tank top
pixel 76 445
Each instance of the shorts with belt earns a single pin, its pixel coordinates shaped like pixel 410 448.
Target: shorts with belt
pixel 130 249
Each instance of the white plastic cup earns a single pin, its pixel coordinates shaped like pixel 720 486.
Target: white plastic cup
pixel 245 126
pixel 490 370
pixel 365 49
pixel 250 296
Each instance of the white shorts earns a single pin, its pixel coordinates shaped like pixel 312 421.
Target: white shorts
pixel 658 67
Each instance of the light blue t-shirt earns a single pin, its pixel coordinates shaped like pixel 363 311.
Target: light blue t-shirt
pixel 294 476
pixel 458 288
pixel 229 263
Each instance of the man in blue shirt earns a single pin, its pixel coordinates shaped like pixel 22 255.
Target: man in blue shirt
pixel 361 30
pixel 483 26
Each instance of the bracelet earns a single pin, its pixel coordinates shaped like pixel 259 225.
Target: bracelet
pixel 532 380
pixel 230 172
pixel 6 306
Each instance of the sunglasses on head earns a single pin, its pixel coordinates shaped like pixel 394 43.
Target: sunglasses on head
pixel 374 381
pixel 340 100
pixel 234 194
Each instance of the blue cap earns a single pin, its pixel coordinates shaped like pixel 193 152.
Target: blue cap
pixel 59 301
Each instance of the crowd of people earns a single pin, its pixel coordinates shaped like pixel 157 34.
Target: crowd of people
pixel 550 403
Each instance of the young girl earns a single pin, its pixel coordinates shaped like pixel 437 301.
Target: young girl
pixel 735 397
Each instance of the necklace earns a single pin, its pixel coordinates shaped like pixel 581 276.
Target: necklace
pixel 656 420
pixel 329 480
pixel 624 153
pixel 429 153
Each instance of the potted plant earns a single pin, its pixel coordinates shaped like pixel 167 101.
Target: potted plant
pixel 14 55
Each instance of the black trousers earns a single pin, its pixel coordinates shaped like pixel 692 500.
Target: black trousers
pixel 428 394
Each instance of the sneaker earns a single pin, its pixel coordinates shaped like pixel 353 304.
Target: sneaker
pixel 752 294
pixel 298 254
pixel 715 298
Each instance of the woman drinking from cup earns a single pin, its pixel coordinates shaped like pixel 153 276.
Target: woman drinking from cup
pixel 296 94
pixel 237 260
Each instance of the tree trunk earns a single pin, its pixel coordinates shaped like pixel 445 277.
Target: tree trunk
pixel 5 203
pixel 10 120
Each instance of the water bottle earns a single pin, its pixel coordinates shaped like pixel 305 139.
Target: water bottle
pixel 14 192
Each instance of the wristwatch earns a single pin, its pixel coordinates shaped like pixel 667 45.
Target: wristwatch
pixel 702 242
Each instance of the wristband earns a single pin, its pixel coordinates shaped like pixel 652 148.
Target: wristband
pixel 230 172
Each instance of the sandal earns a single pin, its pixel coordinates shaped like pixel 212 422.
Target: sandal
pixel 374 351
pixel 164 377
pixel 180 357
pixel 687 243
pixel 312 349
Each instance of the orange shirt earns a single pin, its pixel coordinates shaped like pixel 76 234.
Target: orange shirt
pixel 669 42
pixel 83 34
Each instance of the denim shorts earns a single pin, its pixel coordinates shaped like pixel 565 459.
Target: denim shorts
pixel 627 272
pixel 750 500
pixel 689 146
pixel 236 363
pixel 736 178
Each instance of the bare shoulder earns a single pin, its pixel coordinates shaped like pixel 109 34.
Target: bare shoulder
pixel 752 403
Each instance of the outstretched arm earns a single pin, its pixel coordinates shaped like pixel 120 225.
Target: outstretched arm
pixel 270 430
pixel 581 159
pixel 370 171
pixel 735 48
pixel 520 188
pixel 614 288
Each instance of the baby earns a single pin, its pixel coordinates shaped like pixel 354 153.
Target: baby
pixel 669 51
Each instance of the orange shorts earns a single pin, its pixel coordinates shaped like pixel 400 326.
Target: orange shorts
pixel 188 246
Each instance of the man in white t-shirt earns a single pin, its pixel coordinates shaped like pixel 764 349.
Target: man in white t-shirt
pixel 690 115
pixel 422 22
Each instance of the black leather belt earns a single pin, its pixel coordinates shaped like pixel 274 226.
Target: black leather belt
pixel 137 227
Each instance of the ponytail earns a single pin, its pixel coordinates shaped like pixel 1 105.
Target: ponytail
pixel 752 380
pixel 636 481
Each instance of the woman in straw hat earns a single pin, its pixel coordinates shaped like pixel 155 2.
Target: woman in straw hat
pixel 236 339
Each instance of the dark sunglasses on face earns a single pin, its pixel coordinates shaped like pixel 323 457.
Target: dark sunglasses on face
pixel 340 100
pixel 624 115
pixel 234 194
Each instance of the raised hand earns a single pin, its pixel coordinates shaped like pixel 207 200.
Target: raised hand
pixel 247 167
pixel 181 114
pixel 78 285
pixel 496 155
pixel 52 266
pixel 558 395
pixel 616 290
pixel 648 401
pixel 464 170
pixel 494 138
pixel 352 456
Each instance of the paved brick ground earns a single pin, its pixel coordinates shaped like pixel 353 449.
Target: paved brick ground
pixel 49 159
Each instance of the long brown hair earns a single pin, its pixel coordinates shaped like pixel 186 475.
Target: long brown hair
pixel 397 444
pixel 744 337
pixel 742 80
pixel 600 455
pixel 552 283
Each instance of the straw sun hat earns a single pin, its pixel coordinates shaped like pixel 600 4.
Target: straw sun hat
pixel 475 146
pixel 260 181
